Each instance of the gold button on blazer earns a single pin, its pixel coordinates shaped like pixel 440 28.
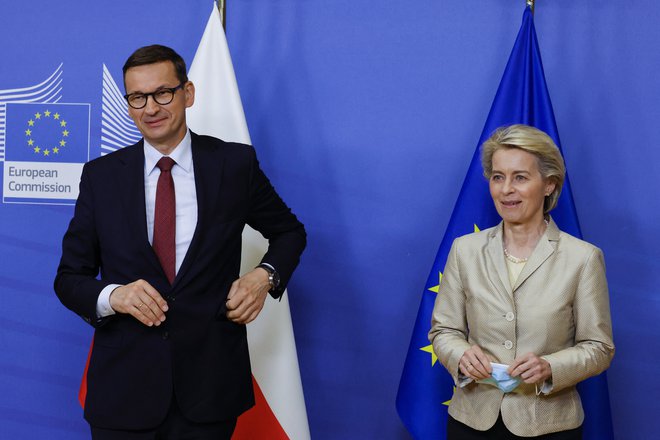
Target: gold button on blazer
pixel 557 309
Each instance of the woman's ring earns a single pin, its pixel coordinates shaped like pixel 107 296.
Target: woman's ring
pixel 139 306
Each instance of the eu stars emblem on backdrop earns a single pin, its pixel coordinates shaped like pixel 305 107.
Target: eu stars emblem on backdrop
pixel 46 145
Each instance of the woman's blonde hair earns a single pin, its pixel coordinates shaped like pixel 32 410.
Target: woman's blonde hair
pixel 534 141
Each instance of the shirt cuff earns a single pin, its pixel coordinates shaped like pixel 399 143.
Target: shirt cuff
pixel 103 308
pixel 268 265
pixel 544 388
pixel 463 380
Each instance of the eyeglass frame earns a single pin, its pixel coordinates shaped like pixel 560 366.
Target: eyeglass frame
pixel 172 90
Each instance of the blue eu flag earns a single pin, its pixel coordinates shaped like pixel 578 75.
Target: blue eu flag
pixel 426 388
pixel 47 132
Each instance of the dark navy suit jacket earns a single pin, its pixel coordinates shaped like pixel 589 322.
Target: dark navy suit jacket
pixel 197 354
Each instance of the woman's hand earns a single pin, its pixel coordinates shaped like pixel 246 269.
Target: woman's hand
pixel 531 369
pixel 475 364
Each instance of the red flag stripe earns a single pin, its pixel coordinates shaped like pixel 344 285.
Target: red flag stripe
pixel 82 392
pixel 259 421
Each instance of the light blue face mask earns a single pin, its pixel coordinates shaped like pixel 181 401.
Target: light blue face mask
pixel 501 379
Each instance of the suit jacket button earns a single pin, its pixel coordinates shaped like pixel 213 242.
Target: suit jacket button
pixel 508 345
pixel 166 334
pixel 509 316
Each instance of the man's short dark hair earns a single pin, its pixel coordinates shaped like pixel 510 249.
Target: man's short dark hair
pixel 156 53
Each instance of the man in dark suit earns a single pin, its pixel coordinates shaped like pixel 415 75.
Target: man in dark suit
pixel 160 222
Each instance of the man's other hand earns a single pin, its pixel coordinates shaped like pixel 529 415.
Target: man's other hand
pixel 247 296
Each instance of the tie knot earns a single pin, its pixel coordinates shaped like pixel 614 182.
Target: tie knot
pixel 165 163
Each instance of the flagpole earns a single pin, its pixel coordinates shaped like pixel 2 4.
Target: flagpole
pixel 530 3
pixel 222 7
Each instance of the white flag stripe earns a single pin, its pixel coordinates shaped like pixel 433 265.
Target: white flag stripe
pixel 218 111
pixel 219 97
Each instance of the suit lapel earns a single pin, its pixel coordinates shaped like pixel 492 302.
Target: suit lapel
pixel 208 165
pixel 130 181
pixel 495 258
pixel 544 248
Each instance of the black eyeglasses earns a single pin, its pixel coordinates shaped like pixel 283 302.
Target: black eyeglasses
pixel 162 96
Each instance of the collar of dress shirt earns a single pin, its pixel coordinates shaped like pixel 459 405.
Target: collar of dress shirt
pixel 182 155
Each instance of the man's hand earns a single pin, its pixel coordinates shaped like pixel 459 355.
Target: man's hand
pixel 247 296
pixel 140 300
pixel 531 368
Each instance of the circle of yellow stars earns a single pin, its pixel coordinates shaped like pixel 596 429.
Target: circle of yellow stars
pixel 46 115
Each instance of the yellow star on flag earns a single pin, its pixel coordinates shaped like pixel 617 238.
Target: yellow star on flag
pixel 37 116
pixel 37 149
pixel 62 143
pixel 429 349
pixel 56 150
pixel 437 287
pixel 30 142
pixel 28 132
pixel 46 152
pixel 63 123
pixel 65 133
pixel 47 113
pixel 31 123
pixel 56 116
pixel 449 401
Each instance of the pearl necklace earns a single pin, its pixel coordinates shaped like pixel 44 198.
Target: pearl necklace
pixel 513 259
pixel 517 260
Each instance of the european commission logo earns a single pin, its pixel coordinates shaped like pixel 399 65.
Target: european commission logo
pixel 44 144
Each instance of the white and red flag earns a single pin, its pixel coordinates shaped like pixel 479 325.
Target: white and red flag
pixel 280 411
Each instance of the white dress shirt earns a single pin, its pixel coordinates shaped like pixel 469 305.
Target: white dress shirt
pixel 183 174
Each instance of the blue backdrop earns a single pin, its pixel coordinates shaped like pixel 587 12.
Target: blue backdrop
pixel 365 116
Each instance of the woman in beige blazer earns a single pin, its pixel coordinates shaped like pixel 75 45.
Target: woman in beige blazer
pixel 523 294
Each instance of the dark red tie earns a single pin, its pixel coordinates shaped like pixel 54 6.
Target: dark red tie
pixel 165 218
